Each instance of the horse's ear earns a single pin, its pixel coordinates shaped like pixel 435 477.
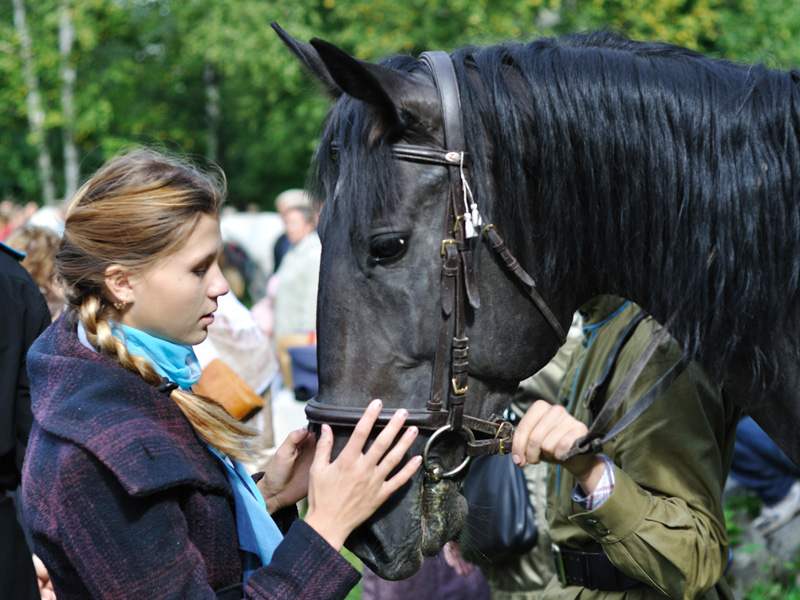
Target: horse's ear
pixel 376 85
pixel 310 59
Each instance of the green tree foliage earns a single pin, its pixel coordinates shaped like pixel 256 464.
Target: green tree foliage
pixel 143 65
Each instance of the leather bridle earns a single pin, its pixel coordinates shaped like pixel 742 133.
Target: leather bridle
pixel 458 285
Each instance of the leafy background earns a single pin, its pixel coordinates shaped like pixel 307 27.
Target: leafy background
pixel 145 70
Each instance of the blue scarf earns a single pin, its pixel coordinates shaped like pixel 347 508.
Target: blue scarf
pixel 258 533
pixel 176 362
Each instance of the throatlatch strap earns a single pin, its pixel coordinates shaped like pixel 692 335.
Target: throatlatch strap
pixel 498 245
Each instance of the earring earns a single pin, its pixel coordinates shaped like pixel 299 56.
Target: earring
pixel 120 306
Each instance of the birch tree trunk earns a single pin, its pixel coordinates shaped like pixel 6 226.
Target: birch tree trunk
pixel 34 104
pixel 212 110
pixel 66 36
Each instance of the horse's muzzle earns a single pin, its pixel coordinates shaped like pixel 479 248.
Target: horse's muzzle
pixel 443 512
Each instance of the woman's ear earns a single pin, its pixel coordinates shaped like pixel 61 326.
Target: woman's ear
pixel 118 285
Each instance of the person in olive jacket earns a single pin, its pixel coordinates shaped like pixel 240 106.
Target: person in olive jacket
pixel 134 486
pixel 645 518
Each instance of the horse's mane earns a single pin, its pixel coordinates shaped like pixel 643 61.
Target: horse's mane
pixel 669 174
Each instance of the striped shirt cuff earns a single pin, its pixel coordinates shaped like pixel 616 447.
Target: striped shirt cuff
pixel 601 493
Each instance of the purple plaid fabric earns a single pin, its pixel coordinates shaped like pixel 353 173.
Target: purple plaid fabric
pixel 124 501
pixel 601 493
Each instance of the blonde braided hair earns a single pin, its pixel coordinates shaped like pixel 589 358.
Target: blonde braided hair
pixel 137 209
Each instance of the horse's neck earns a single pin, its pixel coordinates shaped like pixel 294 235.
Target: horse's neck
pixel 618 267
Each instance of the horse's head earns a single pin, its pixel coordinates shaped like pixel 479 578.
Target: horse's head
pixel 383 306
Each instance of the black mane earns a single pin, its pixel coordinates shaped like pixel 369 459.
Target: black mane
pixel 667 172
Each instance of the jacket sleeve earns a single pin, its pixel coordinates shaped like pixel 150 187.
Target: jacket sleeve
pixel 663 523
pixel 304 567
pixel 125 549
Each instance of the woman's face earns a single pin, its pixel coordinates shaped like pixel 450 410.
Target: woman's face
pixel 175 299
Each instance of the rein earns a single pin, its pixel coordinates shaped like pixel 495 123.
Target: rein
pixel 458 285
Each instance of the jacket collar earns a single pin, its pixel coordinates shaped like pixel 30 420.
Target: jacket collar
pixel 139 433
pixel 600 308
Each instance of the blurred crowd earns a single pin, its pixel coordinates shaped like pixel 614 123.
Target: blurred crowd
pixel 14 215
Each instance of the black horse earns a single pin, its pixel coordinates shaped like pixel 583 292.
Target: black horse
pixel 609 166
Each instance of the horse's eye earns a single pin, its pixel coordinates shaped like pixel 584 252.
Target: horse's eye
pixel 387 247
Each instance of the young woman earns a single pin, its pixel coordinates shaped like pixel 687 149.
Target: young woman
pixel 132 486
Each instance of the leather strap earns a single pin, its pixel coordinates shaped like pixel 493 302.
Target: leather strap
pixel 346 416
pixel 444 76
pixel 425 154
pixel 594 439
pixel 498 245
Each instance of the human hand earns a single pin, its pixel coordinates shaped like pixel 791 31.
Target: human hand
pixel 285 480
pixel 546 433
pixel 452 556
pixel 346 492
pixel 46 591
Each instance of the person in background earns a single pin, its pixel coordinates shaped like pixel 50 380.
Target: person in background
pixel 286 200
pixel 133 485
pixel 39 246
pixel 761 467
pixel 236 339
pixel 644 519
pixel 301 240
pixel 24 317
pixel 5 226
pixel 298 275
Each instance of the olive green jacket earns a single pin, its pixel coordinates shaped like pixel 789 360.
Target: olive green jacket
pixel 663 524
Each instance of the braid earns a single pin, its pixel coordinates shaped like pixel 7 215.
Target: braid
pixel 215 425
pixel 212 422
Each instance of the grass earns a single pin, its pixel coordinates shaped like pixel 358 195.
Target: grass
pixel 784 587
pixel 355 593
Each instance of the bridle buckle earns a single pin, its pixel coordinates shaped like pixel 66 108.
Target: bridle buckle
pixel 458 391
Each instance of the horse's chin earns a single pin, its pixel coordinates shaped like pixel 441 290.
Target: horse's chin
pixel 396 552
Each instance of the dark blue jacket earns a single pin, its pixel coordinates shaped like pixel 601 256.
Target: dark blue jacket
pixel 24 316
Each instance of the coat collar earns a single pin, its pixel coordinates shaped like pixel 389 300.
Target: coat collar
pixel 600 308
pixel 16 254
pixel 139 433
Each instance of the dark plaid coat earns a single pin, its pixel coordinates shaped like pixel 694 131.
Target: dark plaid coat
pixel 124 500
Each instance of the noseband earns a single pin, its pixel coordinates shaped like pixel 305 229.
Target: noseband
pixel 458 283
